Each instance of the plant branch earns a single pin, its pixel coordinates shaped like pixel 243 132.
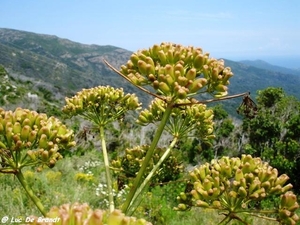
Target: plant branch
pixel 30 192
pixel 232 216
pixel 250 212
pixel 145 183
pixel 213 100
pixel 261 216
pixel 148 156
pixel 126 78
pixel 107 172
pixel 226 220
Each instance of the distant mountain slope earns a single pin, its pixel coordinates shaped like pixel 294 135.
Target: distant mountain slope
pixel 267 66
pixel 253 79
pixel 67 65
pixel 29 94
pixel 64 67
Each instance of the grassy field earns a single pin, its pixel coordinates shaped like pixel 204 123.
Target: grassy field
pixel 80 179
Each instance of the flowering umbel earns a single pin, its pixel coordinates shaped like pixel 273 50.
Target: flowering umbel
pixel 231 184
pixel 177 71
pixel 185 120
pixel 128 165
pixel 101 105
pixel 28 138
pixel 82 214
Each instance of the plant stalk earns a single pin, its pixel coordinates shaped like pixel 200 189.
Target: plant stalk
pixel 231 216
pixel 30 192
pixel 145 183
pixel 148 156
pixel 107 172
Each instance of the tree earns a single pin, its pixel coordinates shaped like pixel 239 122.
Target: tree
pixel 274 132
pixel 270 96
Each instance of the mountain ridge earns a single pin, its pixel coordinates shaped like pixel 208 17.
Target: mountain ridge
pixel 65 67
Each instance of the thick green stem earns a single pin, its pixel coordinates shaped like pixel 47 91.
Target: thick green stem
pixel 148 156
pixel 107 172
pixel 231 216
pixel 144 184
pixel 30 193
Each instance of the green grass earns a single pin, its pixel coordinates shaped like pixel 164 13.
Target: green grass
pixel 77 179
pixel 54 186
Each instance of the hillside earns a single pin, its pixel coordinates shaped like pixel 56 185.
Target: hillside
pixel 68 66
pixel 61 67
pixel 28 94
pixel 251 78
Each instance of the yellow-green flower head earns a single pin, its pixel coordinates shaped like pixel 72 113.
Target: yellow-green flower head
pixel 101 104
pixel 288 206
pixel 177 71
pixel 82 214
pixel 30 138
pixel 189 119
pixel 128 165
pixel 232 183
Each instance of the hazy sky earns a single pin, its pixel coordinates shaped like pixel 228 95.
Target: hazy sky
pixel 246 29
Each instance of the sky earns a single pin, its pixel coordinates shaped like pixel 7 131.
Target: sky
pixel 230 29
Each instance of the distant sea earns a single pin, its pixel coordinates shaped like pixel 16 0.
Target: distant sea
pixel 292 62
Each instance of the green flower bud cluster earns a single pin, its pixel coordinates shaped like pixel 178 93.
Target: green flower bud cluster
pixel 29 138
pixel 177 71
pixel 82 214
pixel 155 112
pixel 101 104
pixel 184 120
pixel 127 166
pixel 232 183
pixel 288 206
